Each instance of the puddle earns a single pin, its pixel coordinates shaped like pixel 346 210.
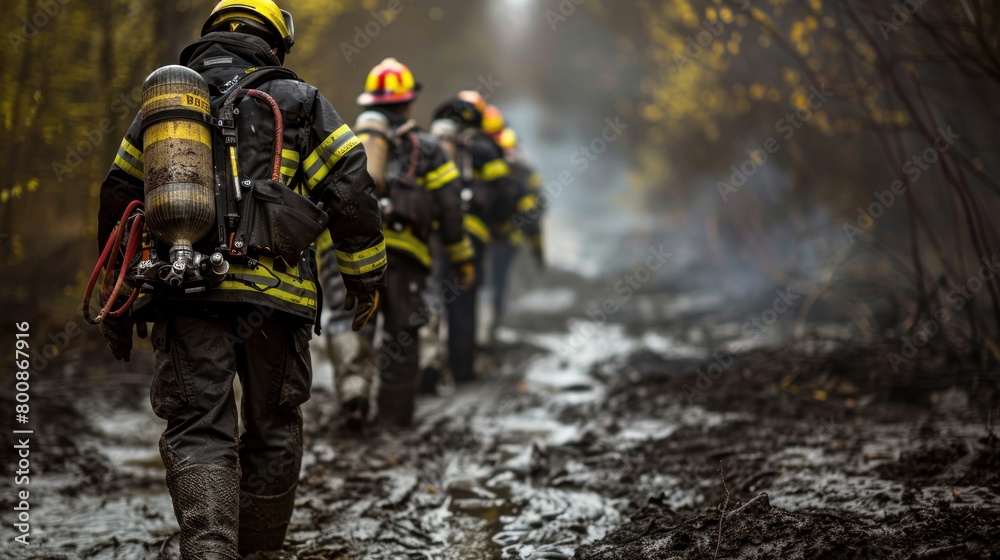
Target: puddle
pixel 545 301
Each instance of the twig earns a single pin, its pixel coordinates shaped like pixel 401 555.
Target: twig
pixel 722 517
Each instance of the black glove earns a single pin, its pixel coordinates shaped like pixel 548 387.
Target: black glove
pixel 117 332
pixel 365 304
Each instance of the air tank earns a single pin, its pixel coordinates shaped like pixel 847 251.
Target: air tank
pixel 177 160
pixel 445 131
pixel 373 129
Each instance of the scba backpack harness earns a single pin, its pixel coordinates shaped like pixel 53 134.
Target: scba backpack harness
pixel 198 210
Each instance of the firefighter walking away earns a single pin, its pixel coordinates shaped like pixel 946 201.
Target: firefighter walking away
pixel 418 187
pixel 226 275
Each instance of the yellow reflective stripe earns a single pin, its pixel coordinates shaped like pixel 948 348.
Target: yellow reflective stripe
pixel 516 238
pixel 461 251
pixel 406 242
pixel 291 288
pixel 363 262
pixel 274 292
pixel 440 176
pixel 491 171
pixel 128 168
pixel 527 204
pixel 132 150
pixel 477 227
pixel 534 182
pixel 289 165
pixel 129 160
pixel 319 164
pixel 177 130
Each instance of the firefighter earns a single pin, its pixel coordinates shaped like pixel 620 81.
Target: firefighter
pixel 417 183
pixel 524 228
pixel 485 183
pixel 233 493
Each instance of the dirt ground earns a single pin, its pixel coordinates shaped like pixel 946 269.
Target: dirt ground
pixel 589 443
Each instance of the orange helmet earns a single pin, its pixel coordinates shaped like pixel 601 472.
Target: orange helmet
pixel 493 121
pixel 507 139
pixel 389 82
pixel 474 97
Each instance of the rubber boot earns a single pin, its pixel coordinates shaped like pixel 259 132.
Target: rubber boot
pixel 206 503
pixel 264 521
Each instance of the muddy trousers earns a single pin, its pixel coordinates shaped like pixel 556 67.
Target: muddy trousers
pixel 462 322
pixel 232 493
pixel 502 256
pixel 398 357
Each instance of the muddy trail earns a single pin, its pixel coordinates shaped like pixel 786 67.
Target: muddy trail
pixel 649 438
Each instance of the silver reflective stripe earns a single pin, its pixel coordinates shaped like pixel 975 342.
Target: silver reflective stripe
pixel 217 61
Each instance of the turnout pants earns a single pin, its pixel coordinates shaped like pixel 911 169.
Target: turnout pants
pixel 462 322
pixel 398 357
pixel 502 256
pixel 232 493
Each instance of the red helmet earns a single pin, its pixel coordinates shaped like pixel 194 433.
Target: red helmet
pixel 389 82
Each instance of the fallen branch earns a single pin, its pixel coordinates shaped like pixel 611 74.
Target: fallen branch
pixel 722 517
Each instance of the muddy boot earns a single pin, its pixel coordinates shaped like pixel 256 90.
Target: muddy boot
pixel 350 353
pixel 264 521
pixel 206 503
pixel 354 397
pixel 396 407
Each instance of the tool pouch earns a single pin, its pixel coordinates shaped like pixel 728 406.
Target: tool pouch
pixel 277 221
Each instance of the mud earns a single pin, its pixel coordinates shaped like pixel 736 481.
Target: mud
pixel 609 445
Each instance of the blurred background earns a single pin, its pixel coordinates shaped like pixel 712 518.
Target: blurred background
pixel 698 89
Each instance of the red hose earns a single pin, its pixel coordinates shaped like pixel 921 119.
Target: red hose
pixel 108 260
pixel 279 131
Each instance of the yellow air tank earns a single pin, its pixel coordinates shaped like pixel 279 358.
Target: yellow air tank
pixel 177 160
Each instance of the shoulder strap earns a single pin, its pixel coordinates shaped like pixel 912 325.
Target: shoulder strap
pixel 228 183
pixel 414 154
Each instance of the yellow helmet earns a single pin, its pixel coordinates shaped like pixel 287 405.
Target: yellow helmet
pixel 264 12
pixel 507 139
pixel 493 121
pixel 389 82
